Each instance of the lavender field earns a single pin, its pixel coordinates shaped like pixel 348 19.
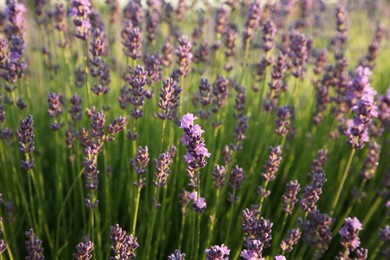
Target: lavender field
pixel 194 129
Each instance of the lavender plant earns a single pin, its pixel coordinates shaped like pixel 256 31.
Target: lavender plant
pixel 186 99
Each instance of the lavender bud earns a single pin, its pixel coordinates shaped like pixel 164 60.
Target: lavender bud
pixel 220 88
pixel 161 166
pixel 283 120
pixel 313 191
pixel 80 11
pixel 193 141
pixel 269 31
pixel 117 125
pixel 167 54
pixel 33 246
pixel 219 175
pixel 240 131
pixel 84 251
pixel 199 204
pixel 166 102
pixel 251 23
pixel 141 160
pixel 26 136
pixel 221 19
pixel 177 255
pixel 292 239
pixel 217 252
pixel 138 80
pixel 236 178
pixel 372 161
pixel 56 102
pixel 122 246
pixel 132 43
pixel 184 55
pixel 349 233
pixel 205 97
pixel 321 60
pixel 272 164
pixel 134 12
pixel 316 232
pixel 290 196
pixel 80 77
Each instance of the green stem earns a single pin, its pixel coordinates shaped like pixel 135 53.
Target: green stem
pixel 344 177
pixel 136 210
pixel 262 199
pixel 372 210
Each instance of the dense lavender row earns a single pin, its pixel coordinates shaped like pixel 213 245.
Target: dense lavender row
pixel 246 129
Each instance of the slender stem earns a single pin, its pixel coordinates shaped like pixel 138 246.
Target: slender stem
pixel 136 210
pixel 86 74
pixel 151 229
pixel 198 220
pixel 377 250
pixel 373 208
pixel 213 219
pixel 9 252
pixel 183 221
pixel 344 177
pixel 231 216
pixel 262 199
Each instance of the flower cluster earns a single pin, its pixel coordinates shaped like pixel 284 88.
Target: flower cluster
pixel 84 250
pixel 199 204
pixel 80 10
pixel 33 246
pixel 26 136
pixel 349 234
pixel 217 252
pixel 139 164
pixel 361 96
pixel 161 166
pixel 122 246
pixel 196 149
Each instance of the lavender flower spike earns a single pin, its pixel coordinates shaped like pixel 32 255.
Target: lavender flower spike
pixel 217 252
pixel 33 246
pixel 84 251
pixel 199 205
pixel 122 246
pixel 80 10
pixel 196 149
pixel 349 233
pixel 272 163
pixel 177 255
pixel 26 136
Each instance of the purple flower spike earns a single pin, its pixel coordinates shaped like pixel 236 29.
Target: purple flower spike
pixel 217 252
pixel 177 255
pixel 349 233
pixel 26 136
pixel 162 167
pixel 80 10
pixel 187 121
pixel 283 121
pixel 290 196
pixel 292 239
pixel 184 55
pixel 272 163
pixel 196 149
pixel 139 164
pixel 122 246
pixel 316 232
pixel 219 175
pixel 372 161
pixel 84 251
pixel 33 246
